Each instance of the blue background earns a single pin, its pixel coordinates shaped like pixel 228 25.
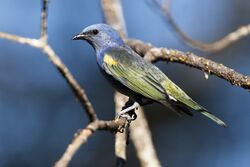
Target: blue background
pixel 39 114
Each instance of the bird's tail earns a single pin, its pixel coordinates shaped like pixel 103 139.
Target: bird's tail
pixel 212 117
pixel 181 108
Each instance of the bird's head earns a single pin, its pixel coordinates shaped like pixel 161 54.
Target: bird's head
pixel 100 36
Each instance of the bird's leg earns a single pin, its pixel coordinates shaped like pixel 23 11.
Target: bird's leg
pixel 125 112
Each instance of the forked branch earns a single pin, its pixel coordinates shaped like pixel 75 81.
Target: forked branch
pixel 216 46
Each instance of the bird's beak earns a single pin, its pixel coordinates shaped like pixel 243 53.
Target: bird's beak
pixel 80 36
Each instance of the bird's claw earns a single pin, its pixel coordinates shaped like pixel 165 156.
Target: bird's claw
pixel 133 116
pixel 128 118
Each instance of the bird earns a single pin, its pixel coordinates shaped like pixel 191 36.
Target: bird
pixel 131 75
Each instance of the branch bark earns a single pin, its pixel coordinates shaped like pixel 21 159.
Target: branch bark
pixel 154 54
pixel 121 139
pixel 142 139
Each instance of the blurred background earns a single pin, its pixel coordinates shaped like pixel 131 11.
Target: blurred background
pixel 39 114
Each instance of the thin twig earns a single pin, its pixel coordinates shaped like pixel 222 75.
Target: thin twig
pixel 79 92
pixel 76 88
pixel 79 140
pixel 210 67
pixel 22 40
pixel 44 15
pixel 42 45
pixel 216 46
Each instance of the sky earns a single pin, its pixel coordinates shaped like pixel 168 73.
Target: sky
pixel 39 114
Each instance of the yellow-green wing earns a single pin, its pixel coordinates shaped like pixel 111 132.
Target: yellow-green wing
pixel 133 76
pixel 146 79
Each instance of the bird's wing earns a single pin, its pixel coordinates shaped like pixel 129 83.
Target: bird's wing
pixel 130 71
pixel 146 79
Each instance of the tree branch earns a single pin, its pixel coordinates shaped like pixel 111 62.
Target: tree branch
pixel 113 15
pixel 38 43
pixel 216 46
pixel 44 13
pixel 82 137
pixel 79 140
pixel 144 146
pixel 121 139
pixel 43 46
pixel 154 54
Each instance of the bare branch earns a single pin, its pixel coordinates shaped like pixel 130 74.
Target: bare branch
pixel 216 46
pixel 44 14
pixel 121 139
pixel 76 88
pixel 79 92
pixel 155 54
pixel 113 14
pixel 81 138
pixel 42 45
pixel 144 148
pixel 22 40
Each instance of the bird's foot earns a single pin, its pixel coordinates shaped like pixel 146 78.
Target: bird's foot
pixel 128 116
pixel 129 112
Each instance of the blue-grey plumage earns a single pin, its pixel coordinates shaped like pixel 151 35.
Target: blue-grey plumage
pixel 133 76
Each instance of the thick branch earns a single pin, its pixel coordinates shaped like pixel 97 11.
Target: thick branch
pixel 155 54
pixel 216 46
pixel 145 148
pixel 121 139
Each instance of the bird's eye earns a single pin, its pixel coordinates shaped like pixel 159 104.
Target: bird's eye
pixel 95 31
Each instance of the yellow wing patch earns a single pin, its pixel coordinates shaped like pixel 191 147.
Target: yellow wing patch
pixel 109 60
